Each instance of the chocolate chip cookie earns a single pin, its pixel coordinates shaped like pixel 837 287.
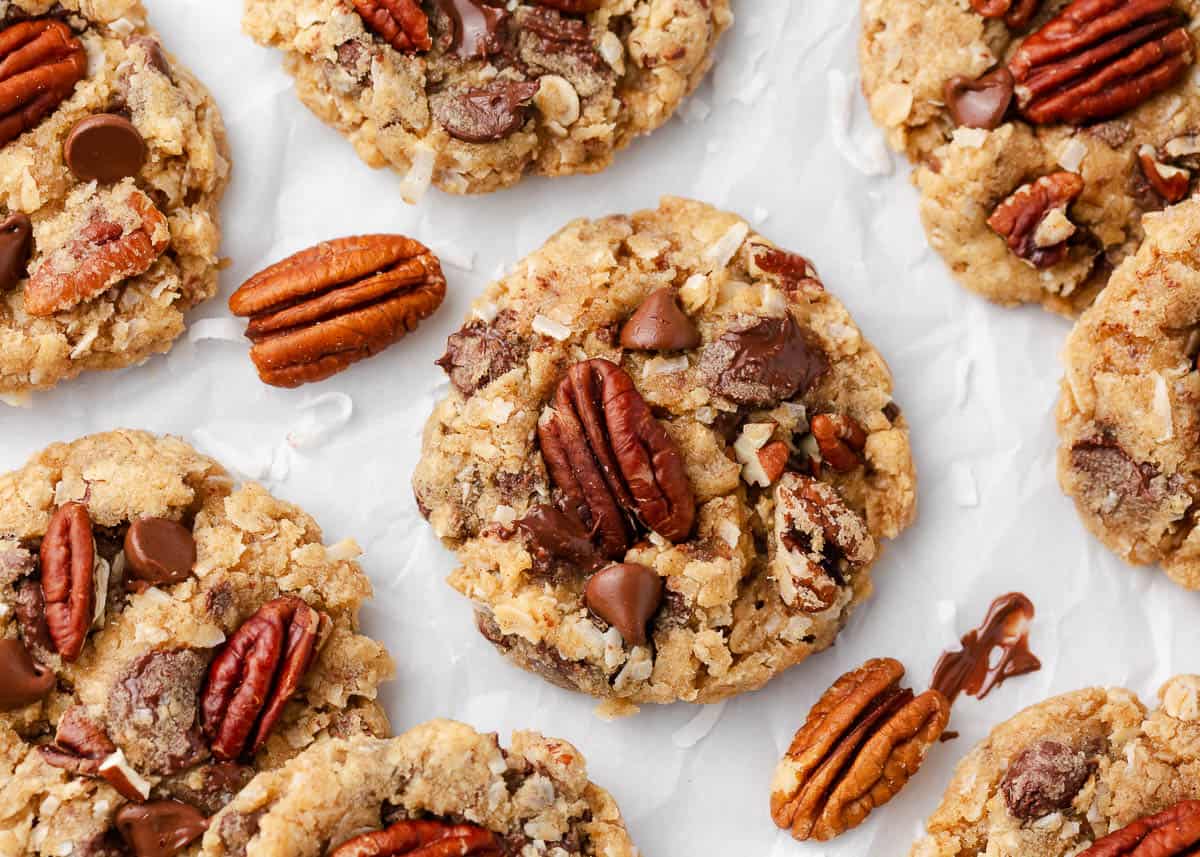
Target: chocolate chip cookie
pixel 164 635
pixel 471 95
pixel 667 458
pixel 112 163
pixel 1042 131
pixel 1127 417
pixel 440 788
pixel 1090 773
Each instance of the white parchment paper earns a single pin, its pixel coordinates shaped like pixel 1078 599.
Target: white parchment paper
pixel 780 134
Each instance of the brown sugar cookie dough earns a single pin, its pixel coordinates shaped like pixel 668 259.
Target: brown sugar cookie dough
pixel 1066 772
pixel 112 163
pixel 473 95
pixel 164 635
pixel 1128 420
pixel 441 782
pixel 667 459
pixel 1041 135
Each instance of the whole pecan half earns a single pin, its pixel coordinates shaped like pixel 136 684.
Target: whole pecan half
pixel 402 23
pixel 862 741
pixel 68 582
pixel 254 675
pixel 1098 58
pixel 1033 220
pixel 422 839
pixel 329 306
pixel 1174 832
pixel 840 438
pixel 1016 13
pixel 102 254
pixel 607 453
pixel 40 63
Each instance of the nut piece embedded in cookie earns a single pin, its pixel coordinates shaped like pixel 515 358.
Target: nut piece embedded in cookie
pixel 862 741
pixel 401 23
pixel 40 63
pixel 1169 181
pixel 1016 13
pixel 484 114
pixel 1174 832
pixel 1033 220
pixel 422 839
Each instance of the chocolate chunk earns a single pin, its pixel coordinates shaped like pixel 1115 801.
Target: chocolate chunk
pixel 485 114
pixel 1115 483
pixel 660 325
pixel 16 243
pixel 105 148
pixel 209 787
pixel 160 828
pixel 626 596
pixel 979 103
pixel 30 607
pixel 479 353
pixel 553 535
pixel 1045 778
pixel 23 681
pixel 477 27
pixel 560 44
pixel 762 362
pixel 152 710
pixel 159 550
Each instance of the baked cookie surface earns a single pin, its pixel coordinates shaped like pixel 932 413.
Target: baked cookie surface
pixel 666 460
pixel 120 233
pixel 1069 771
pixel 473 95
pixel 173 683
pixel 438 780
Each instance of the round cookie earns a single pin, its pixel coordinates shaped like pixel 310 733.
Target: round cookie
pixel 1066 245
pixel 152 703
pixel 697 539
pixel 119 185
pixel 1068 771
pixel 1127 418
pixel 472 96
pixel 441 778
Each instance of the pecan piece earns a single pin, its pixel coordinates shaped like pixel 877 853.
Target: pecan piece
pixel 607 453
pixel 1170 182
pixel 840 438
pixel 23 681
pixel 1016 13
pixel 329 306
pixel 862 741
pixel 40 63
pixel 1098 58
pixel 1033 220
pixel 1174 832
pixel 401 23
pixel 79 744
pixel 68 581
pixel 423 839
pixel 255 673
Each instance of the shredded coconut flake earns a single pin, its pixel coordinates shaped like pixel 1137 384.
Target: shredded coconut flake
pixel 729 532
pixel 346 549
pixel 698 728
pixel 664 366
pixel 322 417
pixel 547 326
pixel 1071 155
pixel 453 255
pixel 224 329
pixel 419 176
pixel 1162 408
pixel 727 245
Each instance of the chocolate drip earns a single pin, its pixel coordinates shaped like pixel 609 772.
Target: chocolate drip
pixel 970 668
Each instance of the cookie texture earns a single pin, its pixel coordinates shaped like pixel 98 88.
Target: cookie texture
pixel 911 50
pixel 493 92
pixel 1068 771
pixel 715 360
pixel 1127 418
pixel 139 690
pixel 115 261
pixel 534 796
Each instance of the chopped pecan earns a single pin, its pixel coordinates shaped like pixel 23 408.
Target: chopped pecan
pixel 840 438
pixel 68 579
pixel 40 63
pixel 478 353
pixel 79 744
pixel 1170 182
pixel 1098 58
pixel 401 23
pixel 1033 220
pixel 423 839
pixel 255 673
pixel 795 270
pixel 1016 13
pixel 607 453
pixel 484 114
pixel 1174 832
pixel 322 309
pixel 861 743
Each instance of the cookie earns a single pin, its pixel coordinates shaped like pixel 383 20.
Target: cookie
pixel 441 782
pixel 1042 132
pixel 111 172
pixel 164 635
pixel 1066 772
pixel 667 458
pixel 1127 417
pixel 473 95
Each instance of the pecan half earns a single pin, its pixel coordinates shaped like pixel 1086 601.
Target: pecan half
pixel 1170 182
pixel 68 582
pixel 1173 832
pixel 862 741
pixel 1016 13
pixel 255 673
pixel 423 839
pixel 401 23
pixel 607 453
pixel 102 254
pixel 1098 58
pixel 1033 220
pixel 329 306
pixel 840 438
pixel 40 63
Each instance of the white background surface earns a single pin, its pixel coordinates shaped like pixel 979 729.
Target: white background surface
pixel 764 137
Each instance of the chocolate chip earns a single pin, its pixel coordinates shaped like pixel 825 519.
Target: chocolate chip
pixel 485 114
pixel 554 535
pixel 16 243
pixel 159 550
pixel 477 27
pixel 762 362
pixel 105 148
pixel 1044 778
pixel 209 787
pixel 626 596
pixel 161 828
pixel 23 681
pixel 979 103
pixel 660 325
pixel 166 684
pixel 480 353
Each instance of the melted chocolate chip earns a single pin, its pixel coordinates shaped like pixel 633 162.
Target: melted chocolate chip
pixel 208 788
pixel 995 651
pixel 477 27
pixel 626 596
pixel 553 535
pixel 16 244
pixel 979 103
pixel 105 147
pixel 160 828
pixel 660 325
pixel 486 114
pixel 166 684
pixel 480 353
pixel 762 362
pixel 1045 778
pixel 23 681
pixel 159 550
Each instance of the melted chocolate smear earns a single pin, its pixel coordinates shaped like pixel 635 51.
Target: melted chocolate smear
pixel 971 670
